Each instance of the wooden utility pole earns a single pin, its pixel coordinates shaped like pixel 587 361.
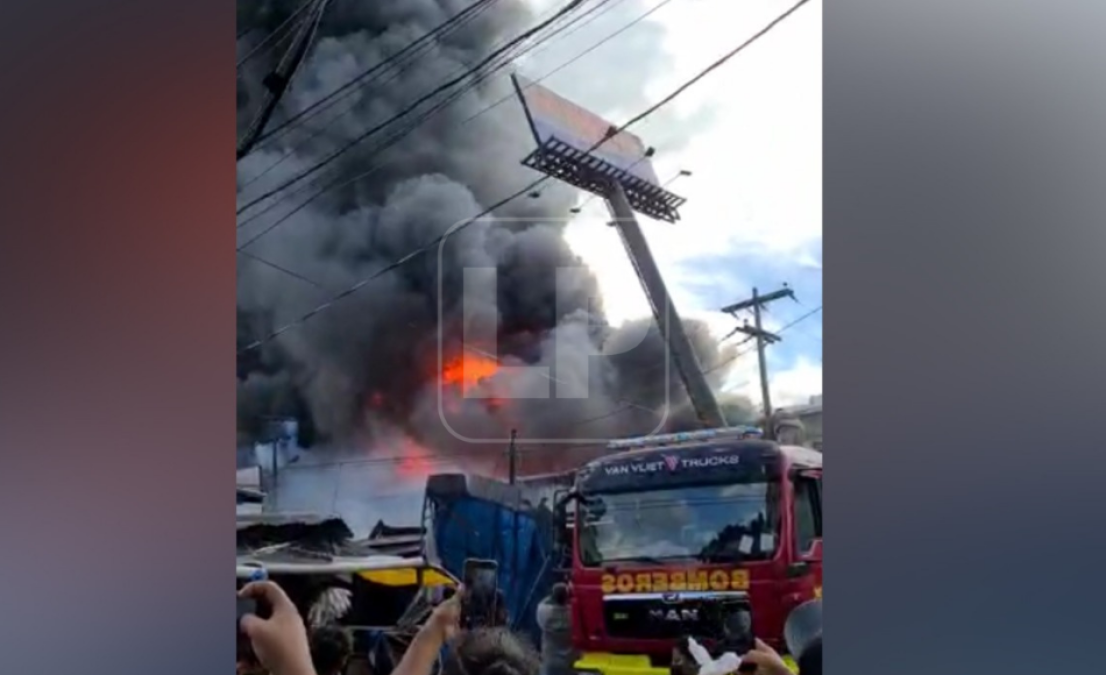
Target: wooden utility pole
pixel 763 339
pixel 512 459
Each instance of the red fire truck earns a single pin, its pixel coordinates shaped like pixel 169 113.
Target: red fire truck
pixel 676 535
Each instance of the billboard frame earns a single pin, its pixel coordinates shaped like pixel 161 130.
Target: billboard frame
pixel 557 158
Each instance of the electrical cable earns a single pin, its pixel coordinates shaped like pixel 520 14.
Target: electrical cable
pixel 425 39
pixel 275 32
pixel 746 351
pixel 278 80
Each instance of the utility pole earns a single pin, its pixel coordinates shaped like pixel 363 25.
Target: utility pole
pixel 763 339
pixel 512 459
pixel 665 314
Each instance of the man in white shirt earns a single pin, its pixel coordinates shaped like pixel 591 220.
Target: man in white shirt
pixel 558 656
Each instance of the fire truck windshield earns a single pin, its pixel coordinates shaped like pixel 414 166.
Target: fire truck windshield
pixel 710 523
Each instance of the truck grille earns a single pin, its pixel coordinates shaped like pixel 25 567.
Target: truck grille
pixel 667 616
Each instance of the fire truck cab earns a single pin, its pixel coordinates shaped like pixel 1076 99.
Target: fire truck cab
pixel 678 535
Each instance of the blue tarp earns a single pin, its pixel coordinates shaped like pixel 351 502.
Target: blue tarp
pixel 475 517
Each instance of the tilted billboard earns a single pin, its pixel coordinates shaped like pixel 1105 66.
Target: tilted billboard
pixel 554 118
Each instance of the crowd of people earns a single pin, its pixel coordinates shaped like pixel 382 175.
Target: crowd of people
pixel 282 645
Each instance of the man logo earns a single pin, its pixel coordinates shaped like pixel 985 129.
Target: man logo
pixel 672 461
pixel 674 615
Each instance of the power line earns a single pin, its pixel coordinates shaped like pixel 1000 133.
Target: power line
pixel 741 353
pixel 285 270
pixel 573 4
pixel 717 64
pixel 582 20
pixel 292 20
pixel 804 317
pixel 398 62
pixel 440 457
pixel 311 282
pixel 390 142
pixel 396 74
pixel 626 406
pixel 438 31
pixel 277 81
pixel 343 90
pixel 525 190
pixel 340 183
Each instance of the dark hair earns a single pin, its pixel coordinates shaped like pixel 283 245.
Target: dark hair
pixel 559 594
pixel 810 661
pixel 331 647
pixel 490 651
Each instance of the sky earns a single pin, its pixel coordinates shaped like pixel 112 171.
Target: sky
pixel 750 133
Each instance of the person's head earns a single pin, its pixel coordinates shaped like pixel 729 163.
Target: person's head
pixel 331 647
pixel 559 594
pixel 810 661
pixel 490 651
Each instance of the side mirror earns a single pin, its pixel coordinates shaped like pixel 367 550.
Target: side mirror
pixel 815 552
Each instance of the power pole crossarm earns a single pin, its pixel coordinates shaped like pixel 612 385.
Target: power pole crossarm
pixel 759 300
pixel 770 338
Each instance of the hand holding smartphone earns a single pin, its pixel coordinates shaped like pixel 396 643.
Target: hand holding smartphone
pixel 481 581
pixel 244 649
pixel 249 606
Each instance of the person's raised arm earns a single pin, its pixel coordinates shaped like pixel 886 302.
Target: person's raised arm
pixel 443 624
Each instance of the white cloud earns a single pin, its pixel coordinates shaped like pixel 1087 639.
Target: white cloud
pixel 796 384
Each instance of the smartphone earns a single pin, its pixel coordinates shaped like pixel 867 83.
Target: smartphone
pixel 737 633
pixel 244 648
pixel 481 580
pixel 245 606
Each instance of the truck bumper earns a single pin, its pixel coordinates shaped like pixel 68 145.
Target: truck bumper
pixel 599 663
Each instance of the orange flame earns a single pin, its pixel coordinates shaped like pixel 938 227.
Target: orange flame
pixel 468 371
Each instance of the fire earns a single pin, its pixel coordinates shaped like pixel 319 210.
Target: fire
pixel 469 370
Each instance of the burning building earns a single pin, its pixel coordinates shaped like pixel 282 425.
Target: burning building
pixel 389 378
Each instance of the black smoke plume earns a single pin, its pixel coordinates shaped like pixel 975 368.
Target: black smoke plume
pixel 365 370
